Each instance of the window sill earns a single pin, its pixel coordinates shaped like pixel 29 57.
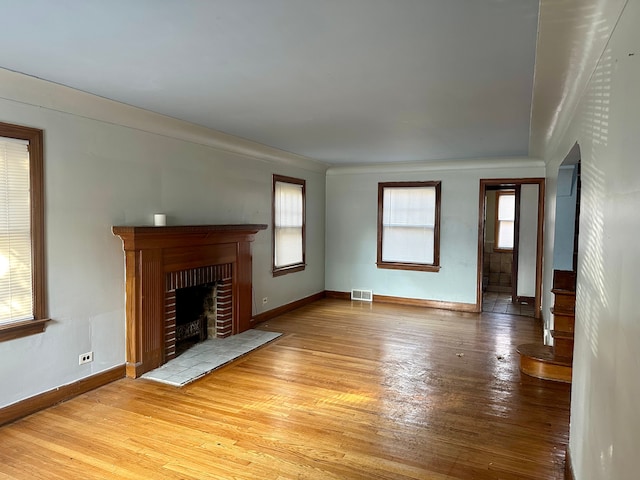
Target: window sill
pixel 409 266
pixel 11 331
pixel 503 250
pixel 277 272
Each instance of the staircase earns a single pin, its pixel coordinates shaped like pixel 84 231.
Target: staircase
pixel 554 363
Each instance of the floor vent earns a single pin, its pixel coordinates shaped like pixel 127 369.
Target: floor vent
pixel 364 295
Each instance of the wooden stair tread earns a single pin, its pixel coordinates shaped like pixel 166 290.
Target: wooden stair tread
pixel 560 311
pixel 563 291
pixel 539 361
pixel 543 353
pixel 562 334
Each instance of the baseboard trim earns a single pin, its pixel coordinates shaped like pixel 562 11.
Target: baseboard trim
pixel 527 300
pixel 568 466
pixel 416 302
pixel 269 314
pixel 338 295
pixel 47 399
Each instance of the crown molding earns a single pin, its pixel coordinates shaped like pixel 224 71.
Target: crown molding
pixel 440 165
pixel 21 88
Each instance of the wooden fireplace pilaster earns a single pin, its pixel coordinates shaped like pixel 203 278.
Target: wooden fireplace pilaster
pixel 151 252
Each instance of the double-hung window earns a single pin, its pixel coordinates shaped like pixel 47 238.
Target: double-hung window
pixel 505 220
pixel 22 304
pixel 288 224
pixel 409 225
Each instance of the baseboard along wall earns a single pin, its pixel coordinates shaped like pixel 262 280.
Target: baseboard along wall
pixel 417 302
pixel 52 397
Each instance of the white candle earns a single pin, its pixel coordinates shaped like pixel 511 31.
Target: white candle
pixel 159 219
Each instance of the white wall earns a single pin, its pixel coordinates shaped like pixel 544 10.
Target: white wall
pixel 605 418
pixel 528 241
pixel 99 173
pixel 352 196
pixel 565 218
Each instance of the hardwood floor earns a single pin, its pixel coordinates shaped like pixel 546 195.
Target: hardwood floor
pixel 351 391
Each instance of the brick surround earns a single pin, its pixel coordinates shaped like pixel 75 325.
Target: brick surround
pixel 222 275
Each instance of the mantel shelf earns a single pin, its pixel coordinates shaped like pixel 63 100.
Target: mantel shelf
pixel 137 237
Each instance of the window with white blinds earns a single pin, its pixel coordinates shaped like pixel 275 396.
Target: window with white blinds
pixel 22 298
pixel 409 225
pixel 505 220
pixel 288 224
pixel 16 288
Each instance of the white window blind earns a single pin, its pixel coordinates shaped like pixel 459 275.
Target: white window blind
pixel 288 223
pixel 16 290
pixel 408 225
pixel 506 220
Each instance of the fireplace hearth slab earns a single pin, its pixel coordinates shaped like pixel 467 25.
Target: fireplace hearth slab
pixel 207 356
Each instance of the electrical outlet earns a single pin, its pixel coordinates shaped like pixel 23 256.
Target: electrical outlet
pixel 265 300
pixel 85 358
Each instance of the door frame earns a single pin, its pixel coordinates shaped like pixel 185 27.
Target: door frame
pixel 511 182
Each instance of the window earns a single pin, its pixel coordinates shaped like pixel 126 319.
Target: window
pixel 288 225
pixel 409 225
pixel 22 307
pixel 505 220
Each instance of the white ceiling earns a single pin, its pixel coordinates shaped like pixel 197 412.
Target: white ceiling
pixel 340 81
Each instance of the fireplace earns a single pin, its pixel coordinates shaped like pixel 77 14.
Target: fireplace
pixel 197 303
pixel 161 260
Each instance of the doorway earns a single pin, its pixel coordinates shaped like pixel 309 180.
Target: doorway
pixel 510 223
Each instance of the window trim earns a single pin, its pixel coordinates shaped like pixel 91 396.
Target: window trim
pixel 9 331
pixel 296 267
pixel 496 227
pixel 435 266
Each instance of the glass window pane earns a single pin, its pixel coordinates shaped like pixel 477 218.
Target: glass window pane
pixel 506 207
pixel 505 234
pixel 16 288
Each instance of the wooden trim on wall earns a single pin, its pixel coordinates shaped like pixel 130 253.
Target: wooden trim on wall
pixel 511 182
pixel 282 309
pixel 52 397
pixel 527 300
pixel 337 295
pixel 22 329
pixel 515 259
pixel 416 302
pixel 419 302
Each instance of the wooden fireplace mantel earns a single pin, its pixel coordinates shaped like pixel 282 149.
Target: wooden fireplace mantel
pixel 151 253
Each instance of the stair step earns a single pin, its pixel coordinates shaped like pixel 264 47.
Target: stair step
pixel 562 344
pixel 564 291
pixel 540 361
pixel 561 334
pixel 564 279
pixel 564 303
pixel 565 322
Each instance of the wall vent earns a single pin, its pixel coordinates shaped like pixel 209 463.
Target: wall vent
pixel 364 295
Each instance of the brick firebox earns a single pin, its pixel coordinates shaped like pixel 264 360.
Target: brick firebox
pixel 222 276
pixel 153 252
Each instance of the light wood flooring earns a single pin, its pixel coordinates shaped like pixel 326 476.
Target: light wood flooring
pixel 350 391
